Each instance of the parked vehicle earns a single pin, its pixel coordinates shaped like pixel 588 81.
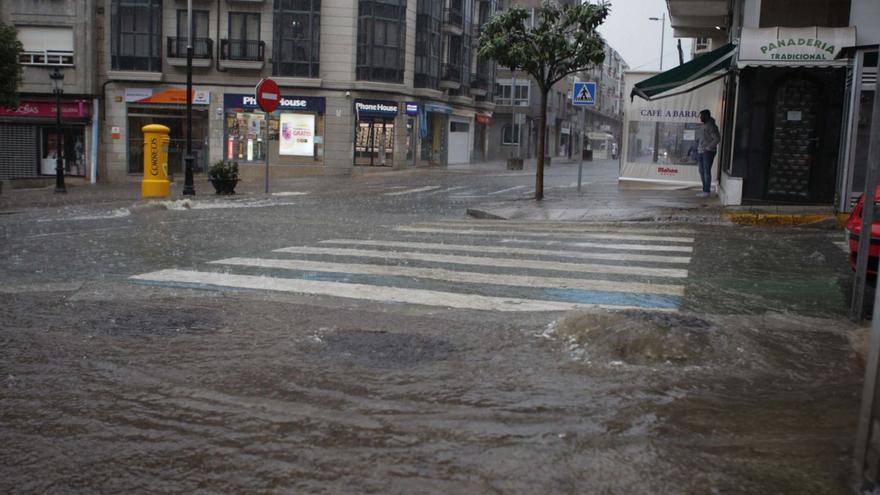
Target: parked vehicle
pixel 853 232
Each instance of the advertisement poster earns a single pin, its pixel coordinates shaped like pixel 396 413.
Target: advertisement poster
pixel 660 137
pixel 297 136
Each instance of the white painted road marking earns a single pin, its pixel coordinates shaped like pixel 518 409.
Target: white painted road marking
pixel 514 188
pixel 412 191
pixel 499 262
pixel 600 245
pixel 588 235
pixel 510 250
pixel 507 225
pixel 370 292
pixel 458 276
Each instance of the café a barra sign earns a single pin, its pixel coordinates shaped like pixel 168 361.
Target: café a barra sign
pixel 781 45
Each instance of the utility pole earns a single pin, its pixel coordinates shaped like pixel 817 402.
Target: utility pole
pixel 662 35
pixel 189 188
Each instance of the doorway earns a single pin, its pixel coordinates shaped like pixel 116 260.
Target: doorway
pixel 795 141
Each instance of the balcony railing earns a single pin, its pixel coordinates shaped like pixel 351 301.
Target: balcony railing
pixel 453 16
pixel 451 72
pixel 428 81
pixel 247 50
pixel 202 47
pixel 479 82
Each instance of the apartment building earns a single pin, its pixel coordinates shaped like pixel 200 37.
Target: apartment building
pixel 514 128
pixel 59 35
pixel 390 83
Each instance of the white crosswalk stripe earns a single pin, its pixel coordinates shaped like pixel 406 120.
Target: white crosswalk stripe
pixel 484 273
pixel 508 250
pixel 412 191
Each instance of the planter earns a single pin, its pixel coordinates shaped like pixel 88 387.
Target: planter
pixel 224 186
pixel 514 164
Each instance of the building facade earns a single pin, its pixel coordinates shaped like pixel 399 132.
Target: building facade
pixel 514 128
pixel 56 34
pixel 391 83
pixel 797 101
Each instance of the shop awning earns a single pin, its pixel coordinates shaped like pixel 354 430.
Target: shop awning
pixel 701 70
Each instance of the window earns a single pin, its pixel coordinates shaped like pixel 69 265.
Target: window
pixel 381 35
pixel 296 51
pixel 46 45
pixel 510 134
pixel 136 35
pixel 201 41
pixel 244 36
pixel 503 90
pixel 428 48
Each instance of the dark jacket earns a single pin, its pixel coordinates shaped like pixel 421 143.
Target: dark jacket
pixel 708 136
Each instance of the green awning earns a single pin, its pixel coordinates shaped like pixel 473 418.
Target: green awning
pixel 708 65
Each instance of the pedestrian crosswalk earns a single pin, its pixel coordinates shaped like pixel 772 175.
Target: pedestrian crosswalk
pixel 479 265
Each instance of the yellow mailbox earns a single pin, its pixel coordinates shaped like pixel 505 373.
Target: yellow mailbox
pixel 155 182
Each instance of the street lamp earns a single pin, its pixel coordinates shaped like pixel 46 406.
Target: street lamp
pixel 662 35
pixel 189 189
pixel 58 88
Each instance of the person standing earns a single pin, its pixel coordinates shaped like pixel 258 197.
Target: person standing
pixel 707 146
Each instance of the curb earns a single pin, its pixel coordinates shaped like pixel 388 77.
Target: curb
pixel 483 214
pixel 781 219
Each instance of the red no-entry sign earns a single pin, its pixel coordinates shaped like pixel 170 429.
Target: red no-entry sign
pixel 268 95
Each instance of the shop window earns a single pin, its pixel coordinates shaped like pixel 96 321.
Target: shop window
pixel 510 134
pixel 72 147
pixel 245 136
pixel 677 143
pixel 136 35
pixel 381 40
pixel 297 38
pixel 46 45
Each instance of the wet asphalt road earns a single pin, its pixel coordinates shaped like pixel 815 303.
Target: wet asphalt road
pixel 115 385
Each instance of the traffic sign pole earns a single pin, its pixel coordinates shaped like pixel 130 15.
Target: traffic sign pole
pixel 268 97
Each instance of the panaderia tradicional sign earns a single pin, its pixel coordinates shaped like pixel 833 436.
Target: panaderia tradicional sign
pixel 781 45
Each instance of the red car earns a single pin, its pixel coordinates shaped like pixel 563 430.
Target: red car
pixel 854 228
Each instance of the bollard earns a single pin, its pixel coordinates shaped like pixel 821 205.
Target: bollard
pixel 155 183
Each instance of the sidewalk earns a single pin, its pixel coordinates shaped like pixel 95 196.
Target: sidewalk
pixel 601 198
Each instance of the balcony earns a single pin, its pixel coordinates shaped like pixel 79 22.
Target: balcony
pixel 453 21
pixel 450 77
pixel 479 85
pixel 203 49
pixel 242 54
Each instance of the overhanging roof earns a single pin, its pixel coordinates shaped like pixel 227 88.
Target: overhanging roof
pixel 698 18
pixel 701 70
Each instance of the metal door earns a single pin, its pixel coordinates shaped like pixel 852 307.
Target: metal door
pixel 795 148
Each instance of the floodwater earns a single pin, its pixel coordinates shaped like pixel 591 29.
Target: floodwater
pixel 246 395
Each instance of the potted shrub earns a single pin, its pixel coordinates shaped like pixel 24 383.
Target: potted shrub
pixel 224 176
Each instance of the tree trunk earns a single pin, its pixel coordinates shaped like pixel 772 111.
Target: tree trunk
pixel 542 143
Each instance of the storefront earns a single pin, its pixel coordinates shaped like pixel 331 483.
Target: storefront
pixel 29 143
pixel 374 136
pixel 787 131
pixel 295 130
pixel 481 137
pixel 435 132
pixel 167 107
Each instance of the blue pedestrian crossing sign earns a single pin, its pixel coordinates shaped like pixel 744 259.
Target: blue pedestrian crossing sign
pixel 584 94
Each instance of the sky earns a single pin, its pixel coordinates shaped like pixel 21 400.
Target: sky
pixel 629 31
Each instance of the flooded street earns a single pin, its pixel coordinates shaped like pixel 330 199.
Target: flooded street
pixel 745 381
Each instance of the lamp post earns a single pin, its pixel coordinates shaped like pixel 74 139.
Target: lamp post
pixel 58 88
pixel 662 35
pixel 189 188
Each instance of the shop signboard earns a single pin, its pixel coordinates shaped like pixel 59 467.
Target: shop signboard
pixel 376 108
pixel 438 108
pixel 313 104
pixel 412 108
pixel 297 134
pixel 174 96
pixel 809 45
pixel 70 109
pixel 483 119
